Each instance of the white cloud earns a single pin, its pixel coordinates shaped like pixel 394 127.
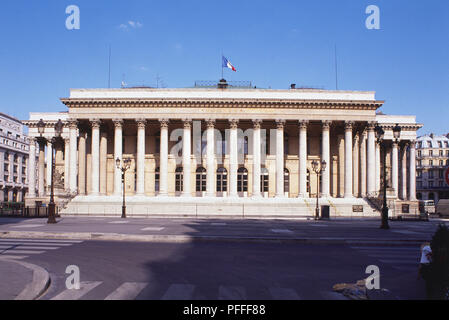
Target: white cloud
pixel 130 25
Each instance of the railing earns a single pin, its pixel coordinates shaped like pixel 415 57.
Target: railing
pixel 26 212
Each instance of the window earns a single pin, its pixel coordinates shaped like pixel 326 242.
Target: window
pixel 419 173
pixel 441 173
pixel 430 174
pixel 245 145
pixel 419 153
pixel 430 184
pixel 157 179
pixel 264 180
pixel 447 153
pixel 430 162
pixel 441 163
pixel 242 180
pixel 200 179
pixel 178 179
pixel 158 145
pixel 431 153
pixel 440 144
pixel 441 153
pixel 222 180
pixel 286 180
pixel 285 144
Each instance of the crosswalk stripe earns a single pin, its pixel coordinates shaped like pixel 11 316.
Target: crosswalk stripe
pixel 399 261
pixel 284 294
pixel 29 247
pixel 5 256
pixel 127 291
pixel 74 294
pixel 36 243
pixel 21 251
pixel 179 292
pixel 231 293
pixel 39 240
pixel 386 248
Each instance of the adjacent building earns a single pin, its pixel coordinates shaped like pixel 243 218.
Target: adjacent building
pixel 432 163
pixel 14 159
pixel 223 150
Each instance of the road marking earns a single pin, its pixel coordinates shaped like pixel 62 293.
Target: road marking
pixel 127 291
pixel 35 244
pixel 40 240
pixel 380 249
pixel 218 223
pixel 28 247
pixel 153 229
pixel 331 295
pixel 5 256
pixel 318 225
pixel 22 252
pixel 406 232
pixel 179 292
pixel 395 261
pixel 284 294
pixel 231 293
pixel 281 231
pixel 117 222
pixel 28 226
pixel 73 294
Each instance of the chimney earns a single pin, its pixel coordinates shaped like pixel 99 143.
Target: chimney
pixel 222 84
pixel 293 86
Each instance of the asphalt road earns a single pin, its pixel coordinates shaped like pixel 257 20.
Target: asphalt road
pixel 216 270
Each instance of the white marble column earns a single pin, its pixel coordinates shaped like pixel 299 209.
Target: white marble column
pixel 73 128
pixel 303 159
pixel 371 160
pixel 356 166
pixel 412 171
pixel 41 183
pixel 348 159
pixel 103 162
pixel 67 164
pixel 395 168
pixel 118 154
pixel 363 165
pixel 256 158
pixel 140 190
pixel 31 169
pixel 378 173
pixel 280 192
pixel 186 158
pixel 48 172
pixel 233 158
pixel 163 159
pixel 82 163
pixel 404 172
pixel 210 158
pixel 95 151
pixel 325 156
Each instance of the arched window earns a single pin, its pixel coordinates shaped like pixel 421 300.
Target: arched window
pixel 222 180
pixel 157 179
pixel 242 180
pixel 285 143
pixel 200 179
pixel 264 180
pixel 286 181
pixel 178 179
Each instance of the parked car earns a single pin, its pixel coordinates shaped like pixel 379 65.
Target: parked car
pixel 442 208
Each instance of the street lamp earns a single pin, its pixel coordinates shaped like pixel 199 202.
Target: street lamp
pixel 380 139
pixel 318 170
pixel 51 205
pixel 124 168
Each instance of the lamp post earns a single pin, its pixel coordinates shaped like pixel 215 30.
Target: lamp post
pixel 58 130
pixel 318 170
pixel 380 139
pixel 124 168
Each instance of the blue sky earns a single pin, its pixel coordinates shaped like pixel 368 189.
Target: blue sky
pixel 271 43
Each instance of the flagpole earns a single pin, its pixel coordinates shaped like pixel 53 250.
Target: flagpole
pixel 222 64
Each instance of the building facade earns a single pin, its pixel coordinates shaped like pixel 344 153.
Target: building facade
pixel 14 158
pixel 432 162
pixel 224 151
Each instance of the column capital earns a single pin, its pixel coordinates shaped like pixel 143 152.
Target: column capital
pixel 303 124
pixel 118 123
pixel 395 143
pixel 164 123
pixel 141 122
pixel 326 124
pixel 371 125
pixel 257 123
pixel 210 123
pixel 280 123
pixel 95 123
pixel 72 123
pixel 356 139
pixel 349 125
pixel 187 123
pixel 233 123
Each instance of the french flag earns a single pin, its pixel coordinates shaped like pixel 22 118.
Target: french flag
pixel 227 64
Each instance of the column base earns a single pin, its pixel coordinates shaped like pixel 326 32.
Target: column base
pixel 303 195
pixel 186 195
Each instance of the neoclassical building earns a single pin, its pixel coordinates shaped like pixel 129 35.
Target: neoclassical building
pixel 223 151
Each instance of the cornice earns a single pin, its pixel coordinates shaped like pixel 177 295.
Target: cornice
pixel 221 103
